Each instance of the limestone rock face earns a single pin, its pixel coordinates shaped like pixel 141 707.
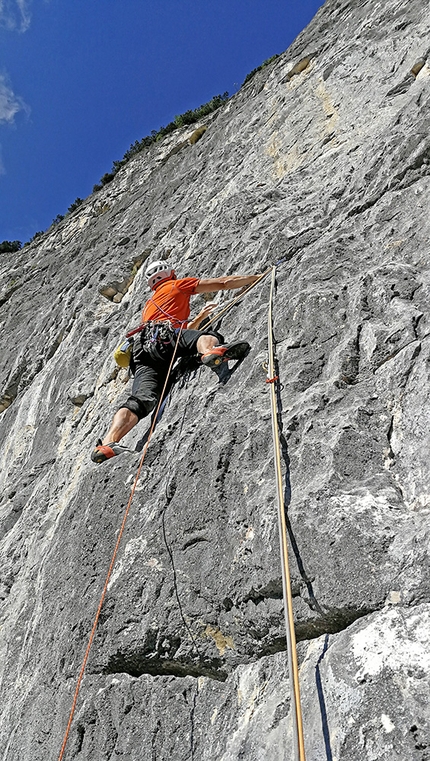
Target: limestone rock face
pixel 320 162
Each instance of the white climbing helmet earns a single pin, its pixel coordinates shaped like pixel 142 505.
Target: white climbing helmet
pixel 157 271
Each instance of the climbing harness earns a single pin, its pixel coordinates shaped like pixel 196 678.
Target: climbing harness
pixel 273 380
pixel 155 335
pixel 152 335
pixel 113 559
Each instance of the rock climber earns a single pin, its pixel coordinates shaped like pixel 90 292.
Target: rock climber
pixel 164 314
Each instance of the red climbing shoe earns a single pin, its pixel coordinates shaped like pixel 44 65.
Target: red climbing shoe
pixel 219 354
pixel 104 452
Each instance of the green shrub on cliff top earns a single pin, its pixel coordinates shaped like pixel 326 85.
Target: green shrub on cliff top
pixel 259 68
pixel 189 117
pixel 10 246
pixel 75 205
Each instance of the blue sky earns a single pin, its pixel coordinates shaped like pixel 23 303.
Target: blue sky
pixel 80 80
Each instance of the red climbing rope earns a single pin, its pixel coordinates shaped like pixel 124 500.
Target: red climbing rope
pixel 114 555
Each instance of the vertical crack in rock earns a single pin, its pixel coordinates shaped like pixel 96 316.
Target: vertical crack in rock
pixel 195 693
pixel 80 731
pixel 11 391
pixel 322 701
pixel 415 355
pixel 154 735
pixel 169 497
pixel 351 364
pixel 391 456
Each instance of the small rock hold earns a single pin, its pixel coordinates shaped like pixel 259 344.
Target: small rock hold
pixel 416 68
pixel 108 292
pixel 299 67
pixel 79 399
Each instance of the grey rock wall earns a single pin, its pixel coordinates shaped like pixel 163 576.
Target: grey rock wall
pixel 321 160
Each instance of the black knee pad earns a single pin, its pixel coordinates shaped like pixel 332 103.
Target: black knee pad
pixel 139 407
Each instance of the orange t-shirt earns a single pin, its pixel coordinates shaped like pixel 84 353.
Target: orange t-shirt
pixel 170 301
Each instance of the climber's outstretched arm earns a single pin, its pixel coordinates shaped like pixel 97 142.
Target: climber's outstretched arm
pixel 227 283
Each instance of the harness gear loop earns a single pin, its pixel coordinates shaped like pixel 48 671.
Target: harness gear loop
pixel 156 335
pixel 113 559
pixel 265 366
pixel 299 748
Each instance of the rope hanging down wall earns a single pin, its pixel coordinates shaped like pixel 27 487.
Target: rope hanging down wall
pixel 299 748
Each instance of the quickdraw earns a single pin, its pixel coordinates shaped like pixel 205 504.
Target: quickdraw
pixel 274 378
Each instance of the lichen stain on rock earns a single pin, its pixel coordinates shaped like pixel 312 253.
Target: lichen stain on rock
pixel 222 643
pixel 283 163
pixel 331 113
pixel 292 151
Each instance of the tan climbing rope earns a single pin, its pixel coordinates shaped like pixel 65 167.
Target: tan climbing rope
pixel 272 379
pixel 114 555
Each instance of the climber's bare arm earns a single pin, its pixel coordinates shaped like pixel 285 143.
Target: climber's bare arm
pixel 227 283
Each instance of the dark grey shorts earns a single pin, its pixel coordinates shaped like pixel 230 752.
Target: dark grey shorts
pixel 150 368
